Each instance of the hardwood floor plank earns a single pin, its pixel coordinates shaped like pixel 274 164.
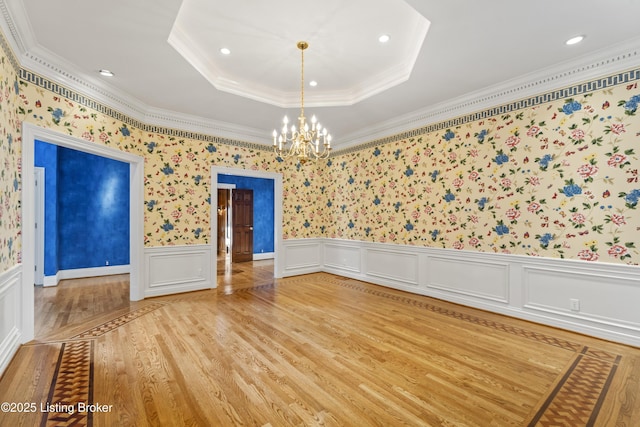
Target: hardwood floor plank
pixel 317 349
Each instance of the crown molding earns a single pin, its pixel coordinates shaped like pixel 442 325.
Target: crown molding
pixel 603 62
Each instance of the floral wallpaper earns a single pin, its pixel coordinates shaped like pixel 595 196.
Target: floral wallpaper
pixel 10 157
pixel 556 180
pixel 559 179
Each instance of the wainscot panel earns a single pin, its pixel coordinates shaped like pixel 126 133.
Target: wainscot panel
pixel 302 256
pixel 484 280
pixel 10 326
pixel 596 299
pixel 175 269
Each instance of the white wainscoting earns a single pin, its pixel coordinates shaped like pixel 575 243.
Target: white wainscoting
pixel 175 269
pixel 536 289
pixel 10 315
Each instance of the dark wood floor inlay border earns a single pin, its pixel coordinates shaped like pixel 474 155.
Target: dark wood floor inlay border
pixel 71 390
pixel 117 322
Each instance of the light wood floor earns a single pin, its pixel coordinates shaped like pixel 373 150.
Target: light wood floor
pixel 311 350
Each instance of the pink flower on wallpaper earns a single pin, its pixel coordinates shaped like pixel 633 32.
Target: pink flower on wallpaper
pixel 191 156
pixel 506 182
pixel 176 158
pixel 458 245
pixel 103 136
pixel 453 156
pixel 473 218
pixel 512 214
pixel 191 210
pixel 473 153
pixel 458 182
pixel 617 250
pixel 616 160
pixel 587 170
pixel 87 136
pixel 577 134
pixel 453 219
pixel 415 214
pixel 176 214
pixel 427 152
pixel 588 255
pixel 534 207
pixel 171 190
pixel 578 218
pixel 534 180
pixel 533 131
pixel 618 219
pixel 617 128
pixel 415 159
pixel 412 191
pixel 428 210
pixel 474 242
pixel 474 176
pixel 512 141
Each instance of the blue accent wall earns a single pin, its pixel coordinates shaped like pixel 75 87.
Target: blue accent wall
pixel 89 224
pixel 263 215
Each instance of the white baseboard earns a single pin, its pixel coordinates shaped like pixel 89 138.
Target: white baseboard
pixel 530 288
pixel 10 321
pixel 78 273
pixel 263 255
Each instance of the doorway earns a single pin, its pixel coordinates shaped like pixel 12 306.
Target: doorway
pixel 278 269
pixel 31 133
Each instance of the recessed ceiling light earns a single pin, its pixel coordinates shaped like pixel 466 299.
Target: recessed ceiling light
pixel 574 40
pixel 313 83
pixel 106 73
pixel 384 38
pixel 225 51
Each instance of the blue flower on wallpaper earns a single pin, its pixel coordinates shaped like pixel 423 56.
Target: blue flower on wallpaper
pixel 408 226
pixel 434 234
pixel 343 208
pixel 125 131
pixel 481 203
pixel 376 201
pixel 15 184
pixel 56 115
pixel 501 158
pixel 367 231
pixel 208 200
pixel 397 153
pixel 322 189
pixel 151 146
pixel 298 208
pixel 367 183
pixel 167 170
pixel 343 165
pixel 631 105
pixel 197 232
pixel 16 87
pixel 236 158
pixel 307 224
pixel 376 152
pixel 481 135
pixel 322 228
pixel 396 206
pixel 571 107
pixel 448 136
pixel 10 140
pixel 279 159
pixel 434 175
pixel 306 182
pixel 329 163
pixel 10 243
pixel 571 189
pixel 167 226
pixel 351 180
pixel 449 196
pixel 544 162
pixel 408 172
pixel 212 149
pixel 197 179
pixel 329 204
pixel 151 204
pixel 632 198
pixel 351 224
pixel 545 239
pixel 501 229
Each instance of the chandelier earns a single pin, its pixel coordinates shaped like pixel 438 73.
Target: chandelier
pixel 304 142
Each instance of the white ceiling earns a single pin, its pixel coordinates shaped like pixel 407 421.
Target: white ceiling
pixel 167 65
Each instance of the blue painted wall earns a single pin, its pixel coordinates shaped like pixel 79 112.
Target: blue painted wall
pixel 91 223
pixel 263 215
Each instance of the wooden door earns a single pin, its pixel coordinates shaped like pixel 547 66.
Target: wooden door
pixel 242 212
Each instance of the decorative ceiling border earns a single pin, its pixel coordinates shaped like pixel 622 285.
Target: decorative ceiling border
pixel 578 89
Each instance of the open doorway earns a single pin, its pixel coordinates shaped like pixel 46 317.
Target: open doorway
pixel 31 133
pixel 217 174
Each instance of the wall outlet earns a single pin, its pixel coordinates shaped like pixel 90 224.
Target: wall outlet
pixel 106 263
pixel 574 304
